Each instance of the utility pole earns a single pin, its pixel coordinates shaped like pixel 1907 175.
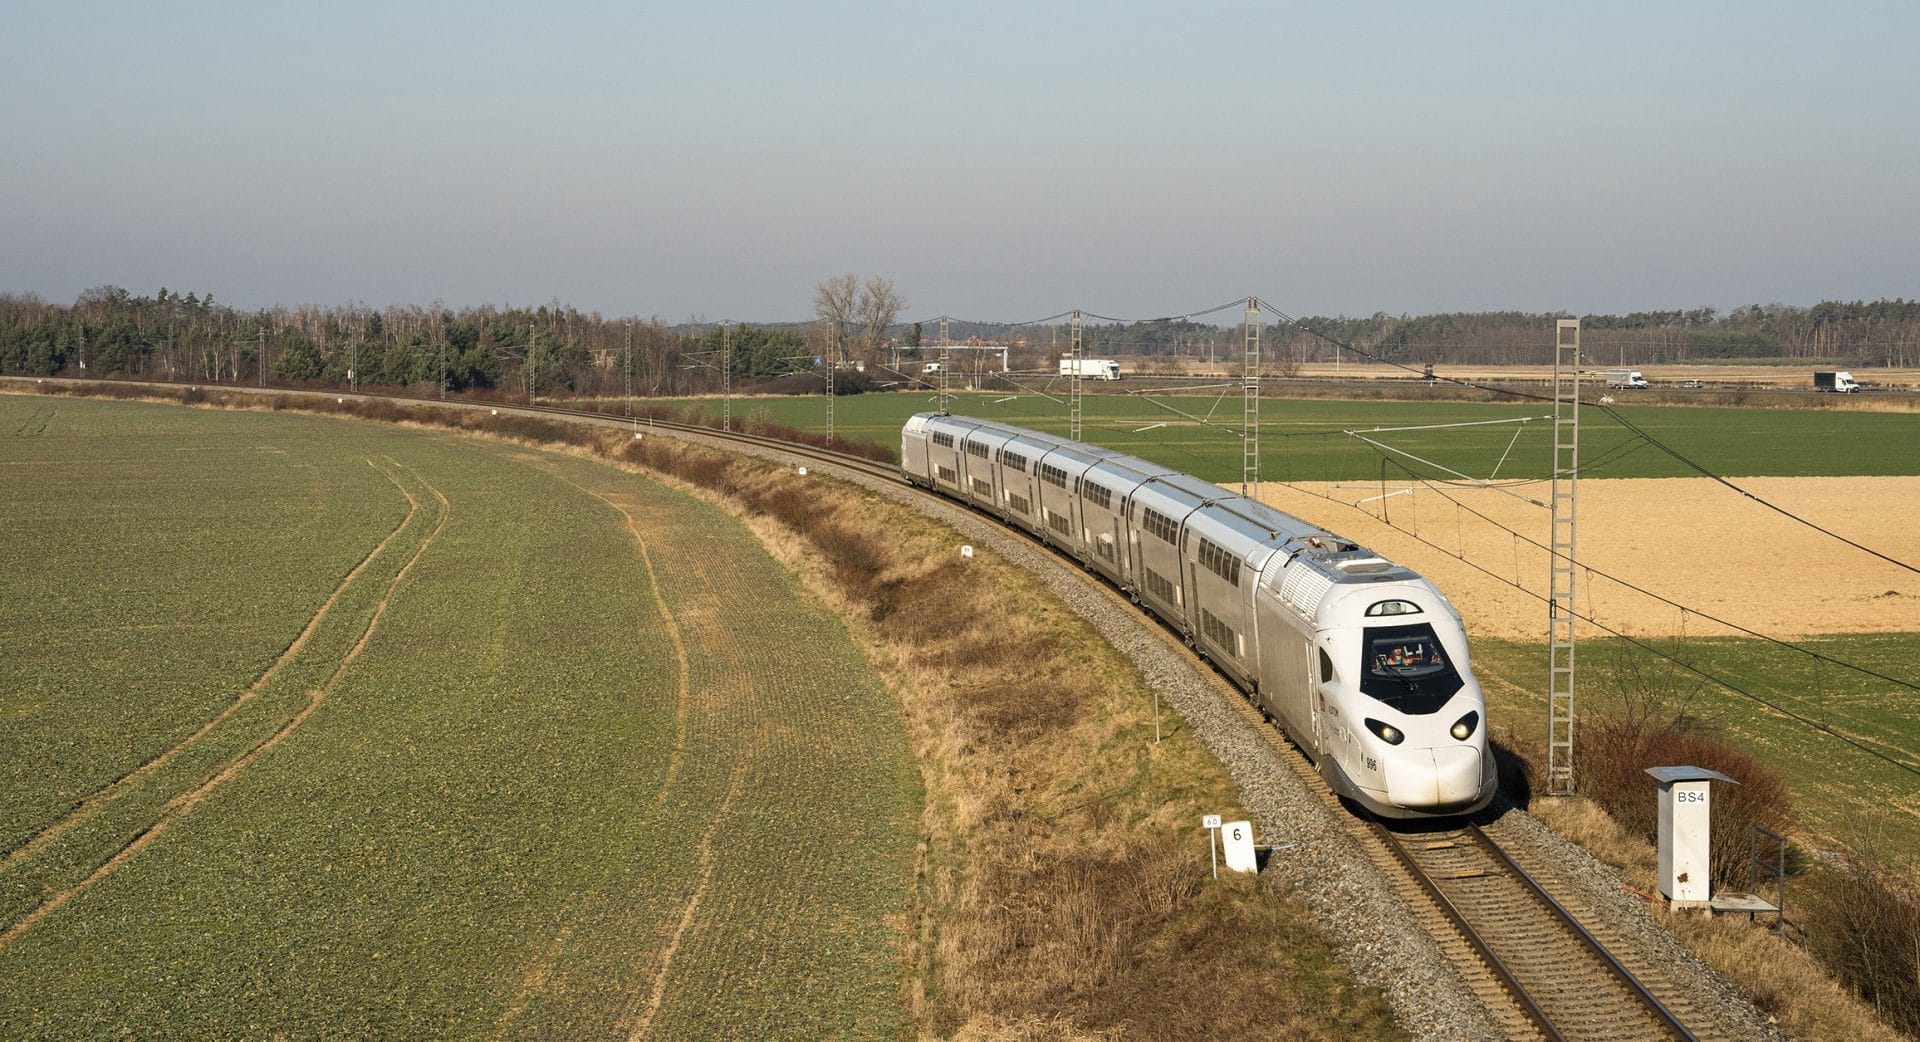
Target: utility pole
pixel 831 341
pixel 1073 396
pixel 726 382
pixel 1560 604
pixel 1250 405
pixel 629 369
pixel 946 354
pixel 533 361
pixel 353 364
pixel 83 348
pixel 440 337
pixel 262 366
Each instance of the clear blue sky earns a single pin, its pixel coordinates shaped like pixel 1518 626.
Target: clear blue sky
pixel 997 160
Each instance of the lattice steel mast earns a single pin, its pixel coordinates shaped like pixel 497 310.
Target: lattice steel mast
pixel 726 382
pixel 1560 604
pixel 1250 405
pixel 1073 397
pixel 945 363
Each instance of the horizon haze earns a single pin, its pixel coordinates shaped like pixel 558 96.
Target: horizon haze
pixel 999 163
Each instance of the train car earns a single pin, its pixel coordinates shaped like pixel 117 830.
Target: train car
pixel 1105 494
pixel 980 447
pixel 1361 661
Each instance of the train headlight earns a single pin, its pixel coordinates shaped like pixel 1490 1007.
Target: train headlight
pixel 1463 727
pixel 1388 733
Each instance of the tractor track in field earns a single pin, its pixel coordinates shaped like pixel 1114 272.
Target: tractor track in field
pixel 656 996
pixel 94 801
pixel 538 974
pixel 183 804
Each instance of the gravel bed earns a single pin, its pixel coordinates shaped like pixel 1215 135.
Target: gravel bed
pixel 1317 859
pixel 1573 874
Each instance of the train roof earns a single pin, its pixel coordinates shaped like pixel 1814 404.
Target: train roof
pixel 1249 516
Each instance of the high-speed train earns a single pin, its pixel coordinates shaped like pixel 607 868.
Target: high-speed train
pixel 1363 662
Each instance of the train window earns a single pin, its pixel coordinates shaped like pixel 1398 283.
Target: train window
pixel 1052 475
pixel 943 439
pixel 984 488
pixel 1326 667
pixel 1216 559
pixel 1060 523
pixel 1219 632
pixel 1393 608
pixel 1160 525
pixel 948 475
pixel 1405 667
pixel 974 448
pixel 1014 460
pixel 1098 495
pixel 1019 504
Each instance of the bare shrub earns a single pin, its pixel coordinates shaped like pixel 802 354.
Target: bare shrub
pixel 1651 725
pixel 1863 922
pixel 1614 758
pixel 855 557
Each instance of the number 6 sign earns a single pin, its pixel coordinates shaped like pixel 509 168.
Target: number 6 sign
pixel 1236 837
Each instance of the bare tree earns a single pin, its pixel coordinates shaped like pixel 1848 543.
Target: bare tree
pixel 834 304
pixel 878 306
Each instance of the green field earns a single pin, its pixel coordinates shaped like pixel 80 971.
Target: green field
pixel 1833 784
pixel 1305 439
pixel 325 728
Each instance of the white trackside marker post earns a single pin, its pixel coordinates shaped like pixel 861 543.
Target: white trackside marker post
pixel 1236 840
pixel 966 551
pixel 1211 822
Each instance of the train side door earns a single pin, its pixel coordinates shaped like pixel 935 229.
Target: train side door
pixel 1315 698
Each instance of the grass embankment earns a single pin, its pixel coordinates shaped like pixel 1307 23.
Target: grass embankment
pixel 1304 439
pixel 542 767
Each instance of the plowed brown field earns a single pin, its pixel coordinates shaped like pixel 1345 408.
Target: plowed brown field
pixel 1692 540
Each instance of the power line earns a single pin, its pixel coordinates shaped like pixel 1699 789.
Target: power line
pixel 1690 667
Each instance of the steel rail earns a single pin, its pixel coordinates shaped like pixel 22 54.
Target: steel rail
pixel 1495 965
pixel 1620 972
pixel 1502 969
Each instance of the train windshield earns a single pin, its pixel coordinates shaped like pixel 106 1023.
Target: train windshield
pixel 1405 667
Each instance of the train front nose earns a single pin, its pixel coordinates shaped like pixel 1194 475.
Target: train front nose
pixel 1445 777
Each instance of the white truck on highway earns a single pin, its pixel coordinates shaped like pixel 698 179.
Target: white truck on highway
pixel 1625 378
pixel 1091 368
pixel 1838 381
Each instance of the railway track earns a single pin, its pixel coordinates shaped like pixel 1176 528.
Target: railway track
pixel 1539 971
pixel 1562 979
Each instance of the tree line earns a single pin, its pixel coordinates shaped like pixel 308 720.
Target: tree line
pixel 1861 333
pixel 557 349
pixel 545 350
